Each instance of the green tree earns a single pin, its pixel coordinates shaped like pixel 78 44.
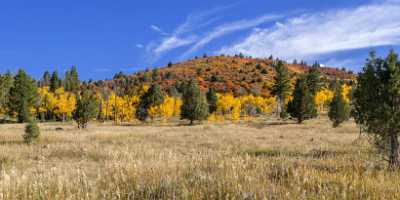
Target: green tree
pixel 195 106
pixel 22 96
pixel 212 99
pixel 281 87
pixel 302 106
pixel 376 102
pixel 71 80
pixel 45 81
pixel 153 97
pixel 32 132
pixel 55 82
pixel 86 109
pixel 339 109
pixel 314 79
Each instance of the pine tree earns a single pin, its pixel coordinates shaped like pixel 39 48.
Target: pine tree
pixel 339 110
pixel 173 92
pixel 71 81
pixel 302 106
pixel 32 132
pixel 376 102
pixel 314 79
pixel 281 88
pixel 153 97
pixel 86 109
pixel 22 96
pixel 212 100
pixel 55 82
pixel 45 81
pixel 195 105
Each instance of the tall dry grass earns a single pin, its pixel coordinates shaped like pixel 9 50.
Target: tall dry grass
pixel 252 160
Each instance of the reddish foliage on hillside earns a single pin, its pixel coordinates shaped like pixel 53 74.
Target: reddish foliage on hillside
pixel 236 75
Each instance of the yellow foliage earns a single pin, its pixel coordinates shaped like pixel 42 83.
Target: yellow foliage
pixel 241 107
pixel 170 108
pixel 120 108
pixel 65 103
pixel 323 98
pixel 61 103
pixel 47 100
pixel 228 106
pixel 346 92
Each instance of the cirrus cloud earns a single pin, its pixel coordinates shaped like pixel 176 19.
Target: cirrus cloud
pixel 310 35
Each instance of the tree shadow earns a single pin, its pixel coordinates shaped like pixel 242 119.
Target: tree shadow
pixel 12 142
pixel 261 125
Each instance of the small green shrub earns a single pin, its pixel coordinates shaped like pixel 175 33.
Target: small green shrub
pixel 32 133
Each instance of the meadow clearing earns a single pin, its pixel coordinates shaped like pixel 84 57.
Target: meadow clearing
pixel 261 159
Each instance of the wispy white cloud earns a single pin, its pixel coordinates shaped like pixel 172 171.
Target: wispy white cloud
pixel 172 43
pixel 311 35
pixel 183 35
pixel 140 46
pixel 229 28
pixel 158 29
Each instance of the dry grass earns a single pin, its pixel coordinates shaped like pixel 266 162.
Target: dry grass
pixel 257 160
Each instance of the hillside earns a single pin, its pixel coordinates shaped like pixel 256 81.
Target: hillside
pixel 238 75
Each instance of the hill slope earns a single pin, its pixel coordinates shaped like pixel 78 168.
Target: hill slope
pixel 238 75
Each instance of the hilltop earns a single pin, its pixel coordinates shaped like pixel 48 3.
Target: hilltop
pixel 236 74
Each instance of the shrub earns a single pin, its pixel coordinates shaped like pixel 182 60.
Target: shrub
pixel 32 133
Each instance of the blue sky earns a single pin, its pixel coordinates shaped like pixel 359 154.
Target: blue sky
pixel 103 37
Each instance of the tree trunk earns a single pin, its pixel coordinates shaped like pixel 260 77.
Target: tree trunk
pixel 394 162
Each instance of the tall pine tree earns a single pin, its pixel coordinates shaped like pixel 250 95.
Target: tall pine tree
pixel 71 80
pixel 22 96
pixel 314 79
pixel 195 106
pixel 55 82
pixel 281 87
pixel 45 81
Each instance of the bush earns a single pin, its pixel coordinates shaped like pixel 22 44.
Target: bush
pixel 32 133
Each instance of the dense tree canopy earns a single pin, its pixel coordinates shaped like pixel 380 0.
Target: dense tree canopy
pixel 22 96
pixel 377 103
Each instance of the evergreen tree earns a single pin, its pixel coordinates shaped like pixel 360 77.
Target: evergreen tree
pixel 45 81
pixel 212 100
pixel 22 96
pixel 173 92
pixel 55 82
pixel 302 106
pixel 339 110
pixel 71 81
pixel 314 79
pixel 195 105
pixel 281 88
pixel 377 104
pixel 86 109
pixel 153 97
pixel 32 132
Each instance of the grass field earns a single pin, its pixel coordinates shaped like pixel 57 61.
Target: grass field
pixel 263 159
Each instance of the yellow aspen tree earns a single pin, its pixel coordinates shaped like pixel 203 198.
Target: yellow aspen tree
pixel 65 104
pixel 323 98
